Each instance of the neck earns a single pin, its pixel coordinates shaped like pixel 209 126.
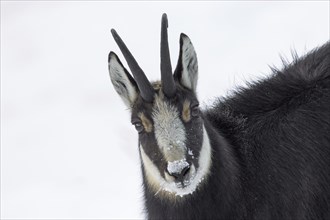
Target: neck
pixel 218 189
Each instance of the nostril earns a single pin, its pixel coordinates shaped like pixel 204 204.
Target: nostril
pixel 176 175
pixel 185 170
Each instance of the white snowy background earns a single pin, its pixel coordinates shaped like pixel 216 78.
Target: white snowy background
pixel 67 147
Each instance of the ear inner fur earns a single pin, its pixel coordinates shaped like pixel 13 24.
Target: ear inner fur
pixel 186 71
pixel 123 82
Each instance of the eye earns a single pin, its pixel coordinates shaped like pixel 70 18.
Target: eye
pixel 195 112
pixel 139 127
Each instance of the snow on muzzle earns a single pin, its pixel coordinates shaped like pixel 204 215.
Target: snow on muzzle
pixel 180 171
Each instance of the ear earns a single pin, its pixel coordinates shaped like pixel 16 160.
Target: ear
pixel 186 71
pixel 123 82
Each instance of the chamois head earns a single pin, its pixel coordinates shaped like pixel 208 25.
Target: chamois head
pixel 173 143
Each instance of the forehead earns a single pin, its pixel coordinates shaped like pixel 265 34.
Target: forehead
pixel 182 95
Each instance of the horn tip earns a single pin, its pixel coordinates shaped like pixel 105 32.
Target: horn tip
pixel 164 20
pixel 114 32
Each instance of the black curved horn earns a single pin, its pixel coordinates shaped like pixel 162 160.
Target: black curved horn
pixel 146 89
pixel 165 61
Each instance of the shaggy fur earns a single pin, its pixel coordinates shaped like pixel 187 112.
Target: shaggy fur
pixel 271 150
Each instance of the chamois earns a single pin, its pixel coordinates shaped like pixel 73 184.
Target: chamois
pixel 261 153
